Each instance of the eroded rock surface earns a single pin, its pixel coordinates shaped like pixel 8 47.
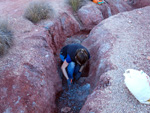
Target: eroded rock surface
pixel 116 44
pixel 27 76
pixel 91 14
pixel 29 79
pixel 58 31
pixel 138 3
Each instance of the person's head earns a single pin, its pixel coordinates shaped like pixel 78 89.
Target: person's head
pixel 81 56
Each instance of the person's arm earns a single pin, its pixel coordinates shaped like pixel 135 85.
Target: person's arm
pixel 78 74
pixel 81 68
pixel 63 68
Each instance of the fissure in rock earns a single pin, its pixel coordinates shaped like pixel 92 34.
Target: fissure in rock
pixel 71 100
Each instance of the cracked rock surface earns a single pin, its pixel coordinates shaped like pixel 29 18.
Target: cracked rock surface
pixel 125 37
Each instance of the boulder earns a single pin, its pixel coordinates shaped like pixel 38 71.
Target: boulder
pixel 138 3
pixel 116 44
pixel 58 31
pixel 91 14
pixel 28 76
pixel 113 7
pixel 29 79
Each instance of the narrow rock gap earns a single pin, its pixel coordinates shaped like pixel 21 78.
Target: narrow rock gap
pixel 71 101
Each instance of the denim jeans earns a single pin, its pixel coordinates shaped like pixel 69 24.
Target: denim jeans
pixel 72 68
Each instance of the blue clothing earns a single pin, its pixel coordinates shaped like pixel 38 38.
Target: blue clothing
pixel 72 68
pixel 68 53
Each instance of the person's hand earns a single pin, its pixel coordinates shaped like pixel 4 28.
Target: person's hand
pixel 78 75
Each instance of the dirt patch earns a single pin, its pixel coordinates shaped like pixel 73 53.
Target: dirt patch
pixel 74 97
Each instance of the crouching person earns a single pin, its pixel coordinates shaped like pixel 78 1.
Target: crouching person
pixel 74 57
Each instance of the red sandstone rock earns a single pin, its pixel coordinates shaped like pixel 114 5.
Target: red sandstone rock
pixel 91 14
pixel 29 79
pixel 65 26
pixel 28 76
pixel 116 44
pixel 138 3
pixel 116 6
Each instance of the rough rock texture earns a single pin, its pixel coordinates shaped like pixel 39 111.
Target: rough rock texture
pixel 91 14
pixel 65 26
pixel 29 79
pixel 114 7
pixel 116 44
pixel 138 3
pixel 28 76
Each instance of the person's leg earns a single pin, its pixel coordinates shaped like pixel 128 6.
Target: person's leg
pixel 70 69
pixel 76 72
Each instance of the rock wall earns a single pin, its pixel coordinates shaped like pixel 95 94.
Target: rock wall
pixel 91 14
pixel 58 31
pixel 138 3
pixel 29 79
pixel 116 44
pixel 27 74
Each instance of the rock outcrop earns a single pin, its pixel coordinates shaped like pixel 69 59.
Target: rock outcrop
pixel 29 78
pixel 138 3
pixel 116 44
pixel 91 14
pixel 58 31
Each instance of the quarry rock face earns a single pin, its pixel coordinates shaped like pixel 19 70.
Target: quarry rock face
pixel 118 43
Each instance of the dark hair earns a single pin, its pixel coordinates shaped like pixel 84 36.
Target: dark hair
pixel 81 56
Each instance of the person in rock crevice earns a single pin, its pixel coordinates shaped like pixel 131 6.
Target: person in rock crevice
pixel 74 57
